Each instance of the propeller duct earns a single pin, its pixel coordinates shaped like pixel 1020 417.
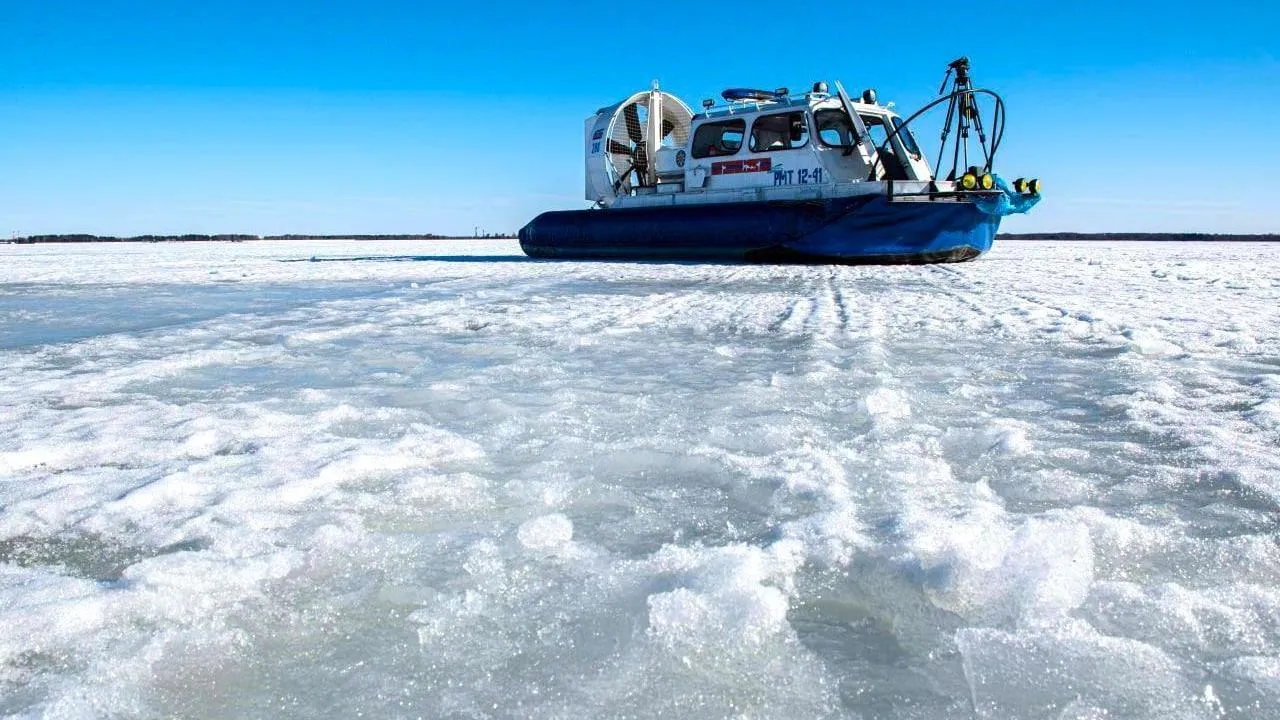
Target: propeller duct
pixel 635 129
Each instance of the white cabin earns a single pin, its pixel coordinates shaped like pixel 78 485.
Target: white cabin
pixel 758 146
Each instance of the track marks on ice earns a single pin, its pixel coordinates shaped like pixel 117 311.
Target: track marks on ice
pixel 558 489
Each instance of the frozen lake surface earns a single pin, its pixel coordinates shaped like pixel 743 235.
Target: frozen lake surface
pixel 436 479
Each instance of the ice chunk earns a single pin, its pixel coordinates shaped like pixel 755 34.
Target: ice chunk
pixel 887 403
pixel 546 533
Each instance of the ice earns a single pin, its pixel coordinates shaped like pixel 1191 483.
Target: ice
pixel 887 403
pixel 438 479
pixel 546 533
pixel 1074 672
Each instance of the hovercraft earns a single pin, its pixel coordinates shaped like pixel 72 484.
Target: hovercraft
pixel 775 176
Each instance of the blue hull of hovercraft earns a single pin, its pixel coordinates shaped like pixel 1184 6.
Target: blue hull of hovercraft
pixel 866 229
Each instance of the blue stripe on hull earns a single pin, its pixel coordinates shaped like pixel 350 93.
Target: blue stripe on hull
pixel 867 229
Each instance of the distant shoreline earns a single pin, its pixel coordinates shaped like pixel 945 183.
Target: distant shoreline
pixel 1158 237
pixel 85 238
pixel 1115 237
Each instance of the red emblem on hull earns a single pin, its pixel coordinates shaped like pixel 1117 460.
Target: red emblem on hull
pixel 736 167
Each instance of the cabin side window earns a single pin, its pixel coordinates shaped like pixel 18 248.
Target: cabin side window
pixel 834 128
pixel 780 131
pixel 719 138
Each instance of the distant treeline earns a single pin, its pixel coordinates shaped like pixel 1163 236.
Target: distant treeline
pixel 1165 237
pixel 81 238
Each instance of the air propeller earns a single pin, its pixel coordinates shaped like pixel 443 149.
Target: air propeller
pixel 636 150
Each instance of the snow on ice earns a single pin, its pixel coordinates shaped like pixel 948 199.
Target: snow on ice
pixel 437 479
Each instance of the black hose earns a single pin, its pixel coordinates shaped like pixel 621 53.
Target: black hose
pixel 998 118
pixel 996 133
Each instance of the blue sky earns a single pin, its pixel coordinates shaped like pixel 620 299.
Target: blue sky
pixel 387 116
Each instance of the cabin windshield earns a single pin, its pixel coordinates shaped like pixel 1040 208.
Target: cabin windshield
pixel 891 163
pixel 908 140
pixel 834 129
pixel 879 128
pixel 876 128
